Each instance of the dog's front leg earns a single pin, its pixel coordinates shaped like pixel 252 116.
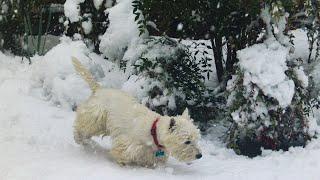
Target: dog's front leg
pixel 121 150
pixel 126 151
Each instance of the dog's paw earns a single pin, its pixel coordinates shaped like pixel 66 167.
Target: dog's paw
pixel 121 163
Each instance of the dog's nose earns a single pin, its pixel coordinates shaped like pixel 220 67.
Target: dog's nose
pixel 198 156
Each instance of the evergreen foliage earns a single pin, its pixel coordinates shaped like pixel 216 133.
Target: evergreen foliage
pixel 277 128
pixel 177 72
pixel 258 119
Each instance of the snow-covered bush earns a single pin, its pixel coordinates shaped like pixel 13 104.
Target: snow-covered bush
pixel 268 101
pixel 59 83
pixel 171 77
pixel 88 18
pixel 268 97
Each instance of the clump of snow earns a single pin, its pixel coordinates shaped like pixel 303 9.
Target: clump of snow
pixel 140 87
pixel 97 3
pixel 132 54
pixel 260 112
pixel 265 66
pixel 275 26
pixel 315 73
pixel 301 45
pixel 281 25
pixel 109 3
pixel 4 7
pixel 180 27
pixel 72 10
pixel 122 31
pixel 301 76
pixel 87 26
pixel 312 123
pixel 266 17
pixel 54 73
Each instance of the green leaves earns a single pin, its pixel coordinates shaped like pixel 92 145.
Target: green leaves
pixel 177 70
pixel 139 19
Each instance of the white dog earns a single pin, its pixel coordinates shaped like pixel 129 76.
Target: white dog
pixel 139 136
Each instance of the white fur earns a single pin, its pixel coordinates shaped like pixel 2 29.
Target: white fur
pixel 115 113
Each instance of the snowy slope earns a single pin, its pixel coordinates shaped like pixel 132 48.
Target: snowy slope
pixel 36 141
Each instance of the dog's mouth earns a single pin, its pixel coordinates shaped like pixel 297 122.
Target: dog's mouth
pixel 189 163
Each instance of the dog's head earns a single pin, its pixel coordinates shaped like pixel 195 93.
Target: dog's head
pixel 181 138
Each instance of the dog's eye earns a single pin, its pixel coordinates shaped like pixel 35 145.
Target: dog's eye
pixel 187 142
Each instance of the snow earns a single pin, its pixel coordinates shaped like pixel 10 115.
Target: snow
pixel 301 44
pixel 59 84
pixel 97 3
pixel 266 17
pixel 4 8
pixel 180 27
pixel 37 103
pixel 36 140
pixel 87 26
pixel 36 143
pixel 122 31
pixel 281 24
pixel 140 87
pixel 72 10
pixel 265 65
pixel 301 76
pixel 109 3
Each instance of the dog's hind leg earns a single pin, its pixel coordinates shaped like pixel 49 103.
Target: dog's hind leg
pixel 90 121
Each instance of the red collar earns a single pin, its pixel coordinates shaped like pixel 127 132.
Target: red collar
pixel 154 134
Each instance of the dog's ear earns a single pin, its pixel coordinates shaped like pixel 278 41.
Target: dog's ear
pixel 172 124
pixel 185 114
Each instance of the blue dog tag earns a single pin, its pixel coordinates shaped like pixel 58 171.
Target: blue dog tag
pixel 159 153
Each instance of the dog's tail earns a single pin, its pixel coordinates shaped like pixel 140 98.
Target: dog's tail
pixel 85 74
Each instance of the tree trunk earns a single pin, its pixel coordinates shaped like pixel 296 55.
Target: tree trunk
pixel 216 42
pixel 229 62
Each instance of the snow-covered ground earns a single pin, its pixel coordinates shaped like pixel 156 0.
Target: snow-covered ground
pixel 36 141
pixel 36 116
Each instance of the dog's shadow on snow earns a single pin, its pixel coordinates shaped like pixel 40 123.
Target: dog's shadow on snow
pixel 98 148
pixel 178 168
pixel 101 148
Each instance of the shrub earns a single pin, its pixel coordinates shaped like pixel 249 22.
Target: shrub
pixel 172 65
pixel 268 97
